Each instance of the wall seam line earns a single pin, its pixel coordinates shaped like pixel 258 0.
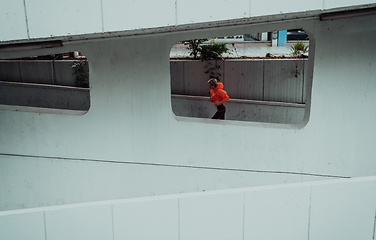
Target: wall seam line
pixel 27 22
pixel 304 79
pixel 243 215
pixel 19 70
pixel 184 77
pixel 374 226
pixel 102 16
pixel 250 7
pixel 309 212
pixel 176 12
pixel 112 216
pixel 53 74
pixel 45 225
pixel 174 165
pixel 223 71
pixel 263 80
pixel 178 218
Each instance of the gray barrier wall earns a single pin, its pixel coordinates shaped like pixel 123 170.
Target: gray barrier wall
pixel 239 109
pixel 57 72
pixel 43 86
pixel 44 98
pixel 251 79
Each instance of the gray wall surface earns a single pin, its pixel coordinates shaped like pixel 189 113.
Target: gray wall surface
pixel 264 80
pixel 43 96
pixel 57 72
pixel 130 143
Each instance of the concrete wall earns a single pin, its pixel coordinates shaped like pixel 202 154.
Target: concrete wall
pixel 264 80
pixel 58 72
pixel 20 20
pixel 239 110
pixel 43 98
pixel 130 144
pixel 339 209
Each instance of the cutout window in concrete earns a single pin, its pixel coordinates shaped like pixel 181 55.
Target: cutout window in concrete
pixel 265 83
pixel 47 84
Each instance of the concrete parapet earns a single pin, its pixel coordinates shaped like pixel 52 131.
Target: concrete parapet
pixel 31 97
pixel 332 209
pixel 239 109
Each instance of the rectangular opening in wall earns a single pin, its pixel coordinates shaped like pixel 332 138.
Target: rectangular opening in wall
pixel 56 83
pixel 264 76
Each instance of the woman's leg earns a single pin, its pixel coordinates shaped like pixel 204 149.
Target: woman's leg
pixel 220 114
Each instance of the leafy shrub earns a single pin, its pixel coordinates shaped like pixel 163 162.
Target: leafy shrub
pixel 193 46
pixel 212 51
pixel 298 48
pixel 82 77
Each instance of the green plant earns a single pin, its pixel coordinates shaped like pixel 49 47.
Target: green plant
pixel 193 46
pixel 213 71
pixel 298 48
pixel 212 51
pixel 207 52
pixel 82 76
pixel 296 71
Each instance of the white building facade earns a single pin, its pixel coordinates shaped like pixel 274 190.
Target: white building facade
pixel 129 144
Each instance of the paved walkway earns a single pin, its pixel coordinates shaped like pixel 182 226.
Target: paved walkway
pixel 240 48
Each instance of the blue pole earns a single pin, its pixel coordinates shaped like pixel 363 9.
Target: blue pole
pixel 282 38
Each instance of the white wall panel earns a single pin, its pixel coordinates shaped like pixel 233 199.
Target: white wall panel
pixel 271 7
pixel 66 18
pixel 22 225
pixel 146 220
pixel 212 217
pixel 60 18
pixel 326 210
pixel 130 120
pixel 128 15
pixel 343 211
pixel 12 20
pixel 277 213
pixel 85 222
pixel 193 11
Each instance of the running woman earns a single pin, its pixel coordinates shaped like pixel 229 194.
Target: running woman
pixel 218 96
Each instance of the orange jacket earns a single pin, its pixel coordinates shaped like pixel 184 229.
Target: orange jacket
pixel 218 94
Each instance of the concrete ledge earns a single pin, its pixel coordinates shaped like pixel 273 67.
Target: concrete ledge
pixel 244 101
pixel 239 109
pixel 282 211
pixel 44 98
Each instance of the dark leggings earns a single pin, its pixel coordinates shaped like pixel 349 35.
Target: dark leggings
pixel 220 114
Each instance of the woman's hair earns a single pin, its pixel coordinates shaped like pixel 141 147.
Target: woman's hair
pixel 213 82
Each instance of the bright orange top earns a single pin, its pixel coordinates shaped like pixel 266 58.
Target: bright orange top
pixel 218 94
